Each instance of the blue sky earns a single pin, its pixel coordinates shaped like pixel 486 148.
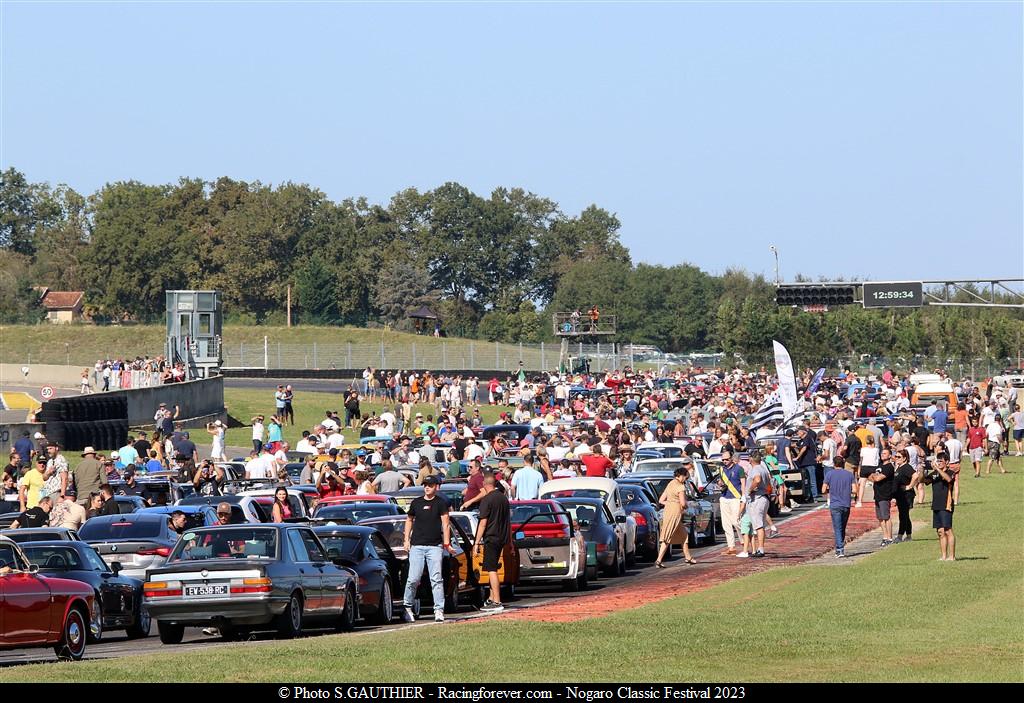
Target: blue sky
pixel 880 140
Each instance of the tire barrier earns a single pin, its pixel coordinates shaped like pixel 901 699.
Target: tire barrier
pixel 100 434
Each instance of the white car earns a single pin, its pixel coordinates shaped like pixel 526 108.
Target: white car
pixel 606 489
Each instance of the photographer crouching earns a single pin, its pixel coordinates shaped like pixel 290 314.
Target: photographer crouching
pixel 941 478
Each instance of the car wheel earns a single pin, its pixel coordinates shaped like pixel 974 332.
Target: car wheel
pixel 386 609
pixel 451 601
pixel 592 573
pixel 621 564
pixel 417 606
pixel 348 615
pixel 289 623
pixel 570 585
pixel 96 624
pixel 170 633
pixel 613 569
pixel 74 635
pixel 583 580
pixel 228 632
pixel 631 558
pixel 143 623
pixel 477 599
pixel 508 592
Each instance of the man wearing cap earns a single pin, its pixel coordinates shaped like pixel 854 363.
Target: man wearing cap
pixel 25 450
pixel 36 516
pixel 56 474
pixel 427 533
pixel 32 485
pixel 67 513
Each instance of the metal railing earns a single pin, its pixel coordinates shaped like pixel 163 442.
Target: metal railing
pixel 570 324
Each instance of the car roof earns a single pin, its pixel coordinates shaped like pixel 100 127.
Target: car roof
pixel 168 509
pixel 344 529
pixel 37 530
pixel 577 499
pixel 56 543
pixel 363 505
pixel 580 482
pixel 128 517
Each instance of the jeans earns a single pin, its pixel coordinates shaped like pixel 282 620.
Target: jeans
pixel 840 516
pixel 432 556
pixel 811 477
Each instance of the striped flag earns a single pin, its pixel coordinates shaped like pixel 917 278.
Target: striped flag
pixel 770 411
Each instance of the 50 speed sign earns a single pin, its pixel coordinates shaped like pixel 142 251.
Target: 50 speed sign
pixel 46 392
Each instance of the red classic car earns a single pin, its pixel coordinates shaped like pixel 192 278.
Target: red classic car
pixel 38 611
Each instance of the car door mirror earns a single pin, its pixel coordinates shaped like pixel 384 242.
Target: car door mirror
pixel 33 568
pixel 620 519
pixel 520 535
pixel 115 567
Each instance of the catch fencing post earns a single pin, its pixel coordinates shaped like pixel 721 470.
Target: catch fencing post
pixel 444 355
pixel 497 360
pixel 316 357
pixel 348 352
pixel 414 354
pixel 543 360
pixel 472 362
pixel 382 364
pixel 278 355
pixel 266 357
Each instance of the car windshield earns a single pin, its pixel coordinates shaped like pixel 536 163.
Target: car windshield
pixel 632 496
pixel 345 544
pixel 581 513
pixel 521 513
pixel 53 557
pixel 394 534
pixel 96 530
pixel 355 513
pixel 580 493
pixel 23 537
pixel 234 542
pixel 8 557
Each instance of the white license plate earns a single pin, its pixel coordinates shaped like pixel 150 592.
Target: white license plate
pixel 557 565
pixel 200 591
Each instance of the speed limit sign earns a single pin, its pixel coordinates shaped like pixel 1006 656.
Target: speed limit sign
pixel 46 392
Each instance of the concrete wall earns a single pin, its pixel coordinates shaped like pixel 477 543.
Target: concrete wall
pixel 200 401
pixel 42 375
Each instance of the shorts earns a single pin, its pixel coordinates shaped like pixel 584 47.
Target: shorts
pixel 977 454
pixel 1018 435
pixel 866 471
pixel 745 527
pixel 492 555
pixel 756 510
pixel 882 509
pixel 942 519
pixel 994 450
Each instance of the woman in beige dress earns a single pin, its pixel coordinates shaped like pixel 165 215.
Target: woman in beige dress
pixel 673 529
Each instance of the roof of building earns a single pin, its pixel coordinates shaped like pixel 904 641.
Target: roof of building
pixel 59 300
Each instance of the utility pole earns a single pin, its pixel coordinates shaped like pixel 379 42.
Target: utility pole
pixel 289 304
pixel 776 252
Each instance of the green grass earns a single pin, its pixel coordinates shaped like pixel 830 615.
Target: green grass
pixel 243 404
pixel 898 615
pixel 83 344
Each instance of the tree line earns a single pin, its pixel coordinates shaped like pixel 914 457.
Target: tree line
pixel 491 267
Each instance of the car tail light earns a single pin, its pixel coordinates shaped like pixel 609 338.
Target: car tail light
pixel 602 548
pixel 253 585
pixel 363 583
pixel 155 552
pixel 641 521
pixel 161 589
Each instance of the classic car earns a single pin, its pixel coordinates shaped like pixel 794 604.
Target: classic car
pixel 240 578
pixel 598 526
pixel 42 611
pixel 645 511
pixel 243 508
pixel 195 515
pixel 452 492
pixel 381 574
pixel 119 597
pixel 550 547
pixel 607 490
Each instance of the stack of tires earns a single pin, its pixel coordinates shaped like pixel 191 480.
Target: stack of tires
pixel 76 422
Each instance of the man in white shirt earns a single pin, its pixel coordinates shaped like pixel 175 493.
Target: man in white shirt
pixel 389 420
pixel 305 445
pixel 988 413
pixel 256 468
pixel 329 423
pixel 257 433
pixel 474 451
pixel 335 439
pixel 280 457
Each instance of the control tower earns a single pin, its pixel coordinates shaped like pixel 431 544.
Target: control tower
pixel 195 322
pixel 580 326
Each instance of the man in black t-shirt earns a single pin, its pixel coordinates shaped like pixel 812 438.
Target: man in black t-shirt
pixel 883 483
pixel 38 516
pixel 427 534
pixel 941 479
pixel 492 534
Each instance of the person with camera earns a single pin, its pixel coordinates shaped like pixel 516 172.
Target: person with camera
pixel 882 479
pixel 941 479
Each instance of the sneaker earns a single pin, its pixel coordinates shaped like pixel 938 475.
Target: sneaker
pixel 408 615
pixel 211 631
pixel 742 555
pixel 840 554
pixel 906 538
pixel 492 607
pixel 773 532
pixel 785 511
pixel 758 554
pixel 859 505
pixel 438 616
pixel 886 542
pixel 730 551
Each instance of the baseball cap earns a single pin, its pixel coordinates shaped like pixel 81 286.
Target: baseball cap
pixel 431 481
pixel 71 491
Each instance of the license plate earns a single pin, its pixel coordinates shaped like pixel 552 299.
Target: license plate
pixel 215 590
pixel 557 565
